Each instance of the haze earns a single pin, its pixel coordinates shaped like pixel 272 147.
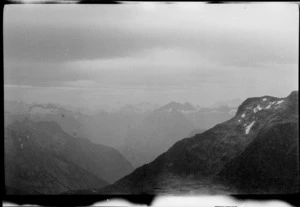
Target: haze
pixel 110 55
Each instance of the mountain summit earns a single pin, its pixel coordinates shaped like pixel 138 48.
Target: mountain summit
pixel 255 151
pixel 174 106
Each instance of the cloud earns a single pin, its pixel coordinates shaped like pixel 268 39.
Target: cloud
pixel 160 66
pixel 157 60
pixel 212 50
pixel 37 74
pixel 227 33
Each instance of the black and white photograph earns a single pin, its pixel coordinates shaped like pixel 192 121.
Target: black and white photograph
pixel 151 98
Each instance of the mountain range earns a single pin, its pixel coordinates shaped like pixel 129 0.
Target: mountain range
pixel 256 151
pixel 139 132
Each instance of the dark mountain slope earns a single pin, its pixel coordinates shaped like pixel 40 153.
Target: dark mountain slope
pixel 29 169
pixel 105 162
pixel 44 149
pixel 263 134
pixel 271 161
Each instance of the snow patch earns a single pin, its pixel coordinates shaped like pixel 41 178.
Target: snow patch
pixel 243 115
pixel 239 120
pixel 258 108
pixel 279 102
pixel 264 99
pixel 249 127
pixel 271 103
pixel 269 106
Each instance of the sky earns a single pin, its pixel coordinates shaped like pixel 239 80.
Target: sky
pixel 110 55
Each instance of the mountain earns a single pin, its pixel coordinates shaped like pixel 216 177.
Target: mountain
pixel 153 135
pixel 161 128
pixel 41 156
pixel 255 151
pixel 139 131
pixel 32 169
pixel 174 106
pixel 272 158
pixel 19 111
pixel 137 108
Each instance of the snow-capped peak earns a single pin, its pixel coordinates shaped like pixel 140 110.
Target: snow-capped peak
pixel 253 109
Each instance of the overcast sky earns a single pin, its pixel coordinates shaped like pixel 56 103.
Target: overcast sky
pixel 91 55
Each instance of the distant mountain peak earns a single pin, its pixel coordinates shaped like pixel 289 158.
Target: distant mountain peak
pixel 174 106
pixel 138 108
